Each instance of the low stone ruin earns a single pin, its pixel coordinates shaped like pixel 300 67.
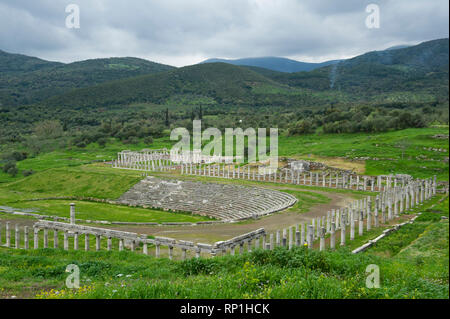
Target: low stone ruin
pixel 222 201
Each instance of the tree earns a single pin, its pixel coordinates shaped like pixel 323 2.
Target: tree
pixel 10 168
pixel 302 127
pixel 167 117
pixel 48 129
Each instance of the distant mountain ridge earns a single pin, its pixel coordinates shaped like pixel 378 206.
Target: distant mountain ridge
pixel 15 63
pixel 275 63
pixel 414 73
pixel 28 80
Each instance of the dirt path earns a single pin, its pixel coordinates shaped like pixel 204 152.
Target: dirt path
pixel 216 232
pixel 271 223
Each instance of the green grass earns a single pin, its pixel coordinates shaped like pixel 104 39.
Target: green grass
pixel 101 211
pixel 85 181
pixel 297 273
pixel 387 147
pixel 79 156
pixel 415 268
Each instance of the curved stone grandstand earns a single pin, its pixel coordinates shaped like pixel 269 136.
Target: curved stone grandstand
pixel 221 201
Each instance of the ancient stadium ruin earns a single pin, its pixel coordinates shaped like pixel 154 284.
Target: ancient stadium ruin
pixel 222 201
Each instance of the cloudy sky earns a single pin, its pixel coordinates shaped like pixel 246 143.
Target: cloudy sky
pixel 182 32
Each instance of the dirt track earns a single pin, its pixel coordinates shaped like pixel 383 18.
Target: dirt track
pixel 212 233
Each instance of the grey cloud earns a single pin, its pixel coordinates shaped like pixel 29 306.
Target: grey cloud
pixel 184 32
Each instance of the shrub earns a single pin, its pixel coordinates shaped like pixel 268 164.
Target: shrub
pixel 10 168
pixel 27 172
pixel 197 266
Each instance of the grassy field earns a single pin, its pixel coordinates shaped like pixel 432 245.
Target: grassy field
pixel 108 212
pixel 415 267
pixel 404 151
pixel 398 152
pixel 103 182
pixel 93 180
pixel 413 261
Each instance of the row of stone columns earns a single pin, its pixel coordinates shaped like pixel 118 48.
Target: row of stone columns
pixel 334 180
pixel 14 234
pixel 361 215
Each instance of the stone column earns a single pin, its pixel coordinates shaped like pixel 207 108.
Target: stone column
pixel 313 224
pixel 343 226
pixel 332 236
pixel 434 185
pixel 284 241
pixel 278 238
pixel 45 238
pixel 322 238
pixel 97 242
pixel 36 238
pixel 401 197
pixel 72 213
pixel 8 235
pixel 75 241
pixel 317 230
pixel 271 241
pixel 25 237
pixel 197 252
pixel 86 242
pixel 241 248
pixel 302 235
pixel 377 203
pixel 249 242
pixel 17 237
pixel 291 241
pixel 66 240
pixel 109 244
pixel 170 252
pixel 121 245
pixel 352 227
pixel 328 221
pixel 361 223
pixel 310 236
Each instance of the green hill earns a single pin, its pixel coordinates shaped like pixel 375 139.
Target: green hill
pixel 420 69
pixel 275 63
pixel 224 83
pixel 18 63
pixel 411 74
pixel 29 80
